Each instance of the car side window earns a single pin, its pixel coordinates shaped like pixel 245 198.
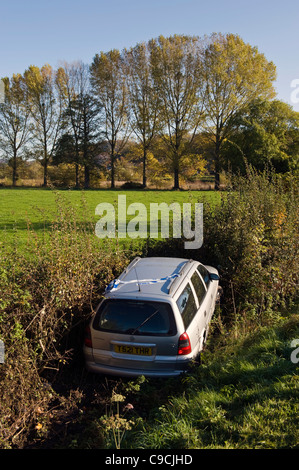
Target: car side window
pixel 187 306
pixel 205 274
pixel 199 287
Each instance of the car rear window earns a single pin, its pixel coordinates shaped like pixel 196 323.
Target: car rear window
pixel 135 317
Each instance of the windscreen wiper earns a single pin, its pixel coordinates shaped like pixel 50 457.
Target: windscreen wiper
pixel 144 321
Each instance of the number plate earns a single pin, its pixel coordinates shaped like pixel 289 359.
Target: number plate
pixel 136 350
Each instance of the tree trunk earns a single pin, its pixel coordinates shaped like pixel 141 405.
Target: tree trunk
pixel 217 163
pixel 14 169
pixel 85 160
pixel 77 183
pixel 45 163
pixel 45 174
pixel 86 177
pixel 217 181
pixel 112 169
pixel 176 179
pixel 77 175
pixel 144 169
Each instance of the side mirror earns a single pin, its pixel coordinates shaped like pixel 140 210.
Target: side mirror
pixel 214 277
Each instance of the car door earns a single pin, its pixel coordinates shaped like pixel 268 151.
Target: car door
pixel 211 287
pixel 203 307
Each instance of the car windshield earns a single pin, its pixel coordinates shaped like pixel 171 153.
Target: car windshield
pixel 135 317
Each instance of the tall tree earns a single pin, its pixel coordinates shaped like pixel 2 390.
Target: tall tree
pixel 80 113
pixel 109 84
pixel 89 134
pixel 14 122
pixel 68 145
pixel 176 72
pixel 45 97
pixel 234 74
pixel 144 99
pixel 268 134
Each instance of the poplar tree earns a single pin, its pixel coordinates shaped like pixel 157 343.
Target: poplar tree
pixel 45 98
pixel 177 76
pixel 110 88
pixel 144 99
pixel 14 122
pixel 234 74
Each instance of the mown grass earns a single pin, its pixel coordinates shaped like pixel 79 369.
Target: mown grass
pixel 24 209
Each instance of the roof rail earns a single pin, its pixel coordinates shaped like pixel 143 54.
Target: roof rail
pixel 176 281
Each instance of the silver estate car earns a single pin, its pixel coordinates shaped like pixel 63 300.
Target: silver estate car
pixel 153 319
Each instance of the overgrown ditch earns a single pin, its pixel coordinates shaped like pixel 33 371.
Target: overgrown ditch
pixel 48 400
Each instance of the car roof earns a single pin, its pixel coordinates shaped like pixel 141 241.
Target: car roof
pixel 142 270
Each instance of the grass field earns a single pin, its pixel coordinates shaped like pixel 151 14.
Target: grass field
pixel 38 209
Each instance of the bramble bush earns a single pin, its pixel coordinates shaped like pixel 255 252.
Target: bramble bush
pixel 252 237
pixel 47 295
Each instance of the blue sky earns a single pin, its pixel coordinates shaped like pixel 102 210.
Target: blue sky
pixel 39 32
